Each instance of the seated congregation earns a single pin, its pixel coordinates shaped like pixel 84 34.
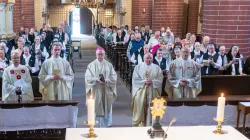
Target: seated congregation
pixel 152 65
pixel 161 64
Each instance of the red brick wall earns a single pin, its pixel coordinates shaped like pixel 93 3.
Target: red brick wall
pixel 137 9
pixel 193 11
pixel 17 19
pixel 27 7
pixel 227 23
pixel 168 13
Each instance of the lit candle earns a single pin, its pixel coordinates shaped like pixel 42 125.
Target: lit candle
pixel 221 108
pixel 91 110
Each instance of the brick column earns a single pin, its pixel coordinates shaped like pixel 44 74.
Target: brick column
pixel 168 13
pixel 137 8
pixel 193 10
pixel 227 22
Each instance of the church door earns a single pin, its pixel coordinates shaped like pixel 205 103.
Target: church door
pixel 85 21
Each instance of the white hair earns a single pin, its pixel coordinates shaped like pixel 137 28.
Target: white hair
pixel 222 47
pixel 15 53
pixel 197 44
pixel 235 47
pixel 3 44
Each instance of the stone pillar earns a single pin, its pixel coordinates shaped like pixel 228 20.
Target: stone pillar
pixel 9 19
pixel 2 21
pixel 227 22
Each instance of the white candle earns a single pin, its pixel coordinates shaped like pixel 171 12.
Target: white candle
pixel 221 108
pixel 91 110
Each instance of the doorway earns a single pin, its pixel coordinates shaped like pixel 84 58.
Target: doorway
pixel 81 21
pixel 86 19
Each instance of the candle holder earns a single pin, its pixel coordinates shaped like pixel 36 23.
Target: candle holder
pixel 91 133
pixel 219 127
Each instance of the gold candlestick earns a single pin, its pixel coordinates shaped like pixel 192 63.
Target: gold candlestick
pixel 219 127
pixel 91 133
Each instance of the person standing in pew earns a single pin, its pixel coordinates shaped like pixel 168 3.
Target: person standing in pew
pixel 235 59
pixel 29 61
pixel 246 68
pixel 185 76
pixel 56 76
pixel 119 39
pixel 134 46
pixel 146 85
pixel 138 56
pixel 225 64
pixel 210 62
pixel 100 84
pixel 16 78
pixel 163 64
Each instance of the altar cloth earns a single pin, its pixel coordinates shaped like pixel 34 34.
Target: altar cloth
pixel 31 118
pixel 140 133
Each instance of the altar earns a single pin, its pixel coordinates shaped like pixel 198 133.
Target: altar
pixel 140 133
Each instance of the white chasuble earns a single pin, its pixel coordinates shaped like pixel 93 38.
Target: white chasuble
pixel 144 94
pixel 14 77
pixel 187 70
pixel 56 89
pixel 105 93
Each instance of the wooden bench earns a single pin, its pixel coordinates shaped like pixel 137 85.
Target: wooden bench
pixel 227 84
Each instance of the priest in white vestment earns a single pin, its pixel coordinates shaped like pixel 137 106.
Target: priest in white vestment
pixel 100 83
pixel 56 76
pixel 185 76
pixel 146 85
pixel 16 78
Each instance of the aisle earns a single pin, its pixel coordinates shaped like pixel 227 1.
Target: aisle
pixel 122 115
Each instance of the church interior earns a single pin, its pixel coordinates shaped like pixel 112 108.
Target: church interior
pixel 124 69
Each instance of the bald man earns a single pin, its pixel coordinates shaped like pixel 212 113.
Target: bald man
pixel 16 78
pixel 204 45
pixel 154 40
pixel 185 76
pixel 100 83
pixel 147 85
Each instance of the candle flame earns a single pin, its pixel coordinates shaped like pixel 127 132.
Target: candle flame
pixel 90 97
pixel 222 94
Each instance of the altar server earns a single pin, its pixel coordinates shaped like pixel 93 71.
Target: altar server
pixel 185 76
pixel 16 78
pixel 56 76
pixel 147 85
pixel 100 83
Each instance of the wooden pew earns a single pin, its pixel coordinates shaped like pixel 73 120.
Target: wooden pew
pixel 48 134
pixel 227 84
